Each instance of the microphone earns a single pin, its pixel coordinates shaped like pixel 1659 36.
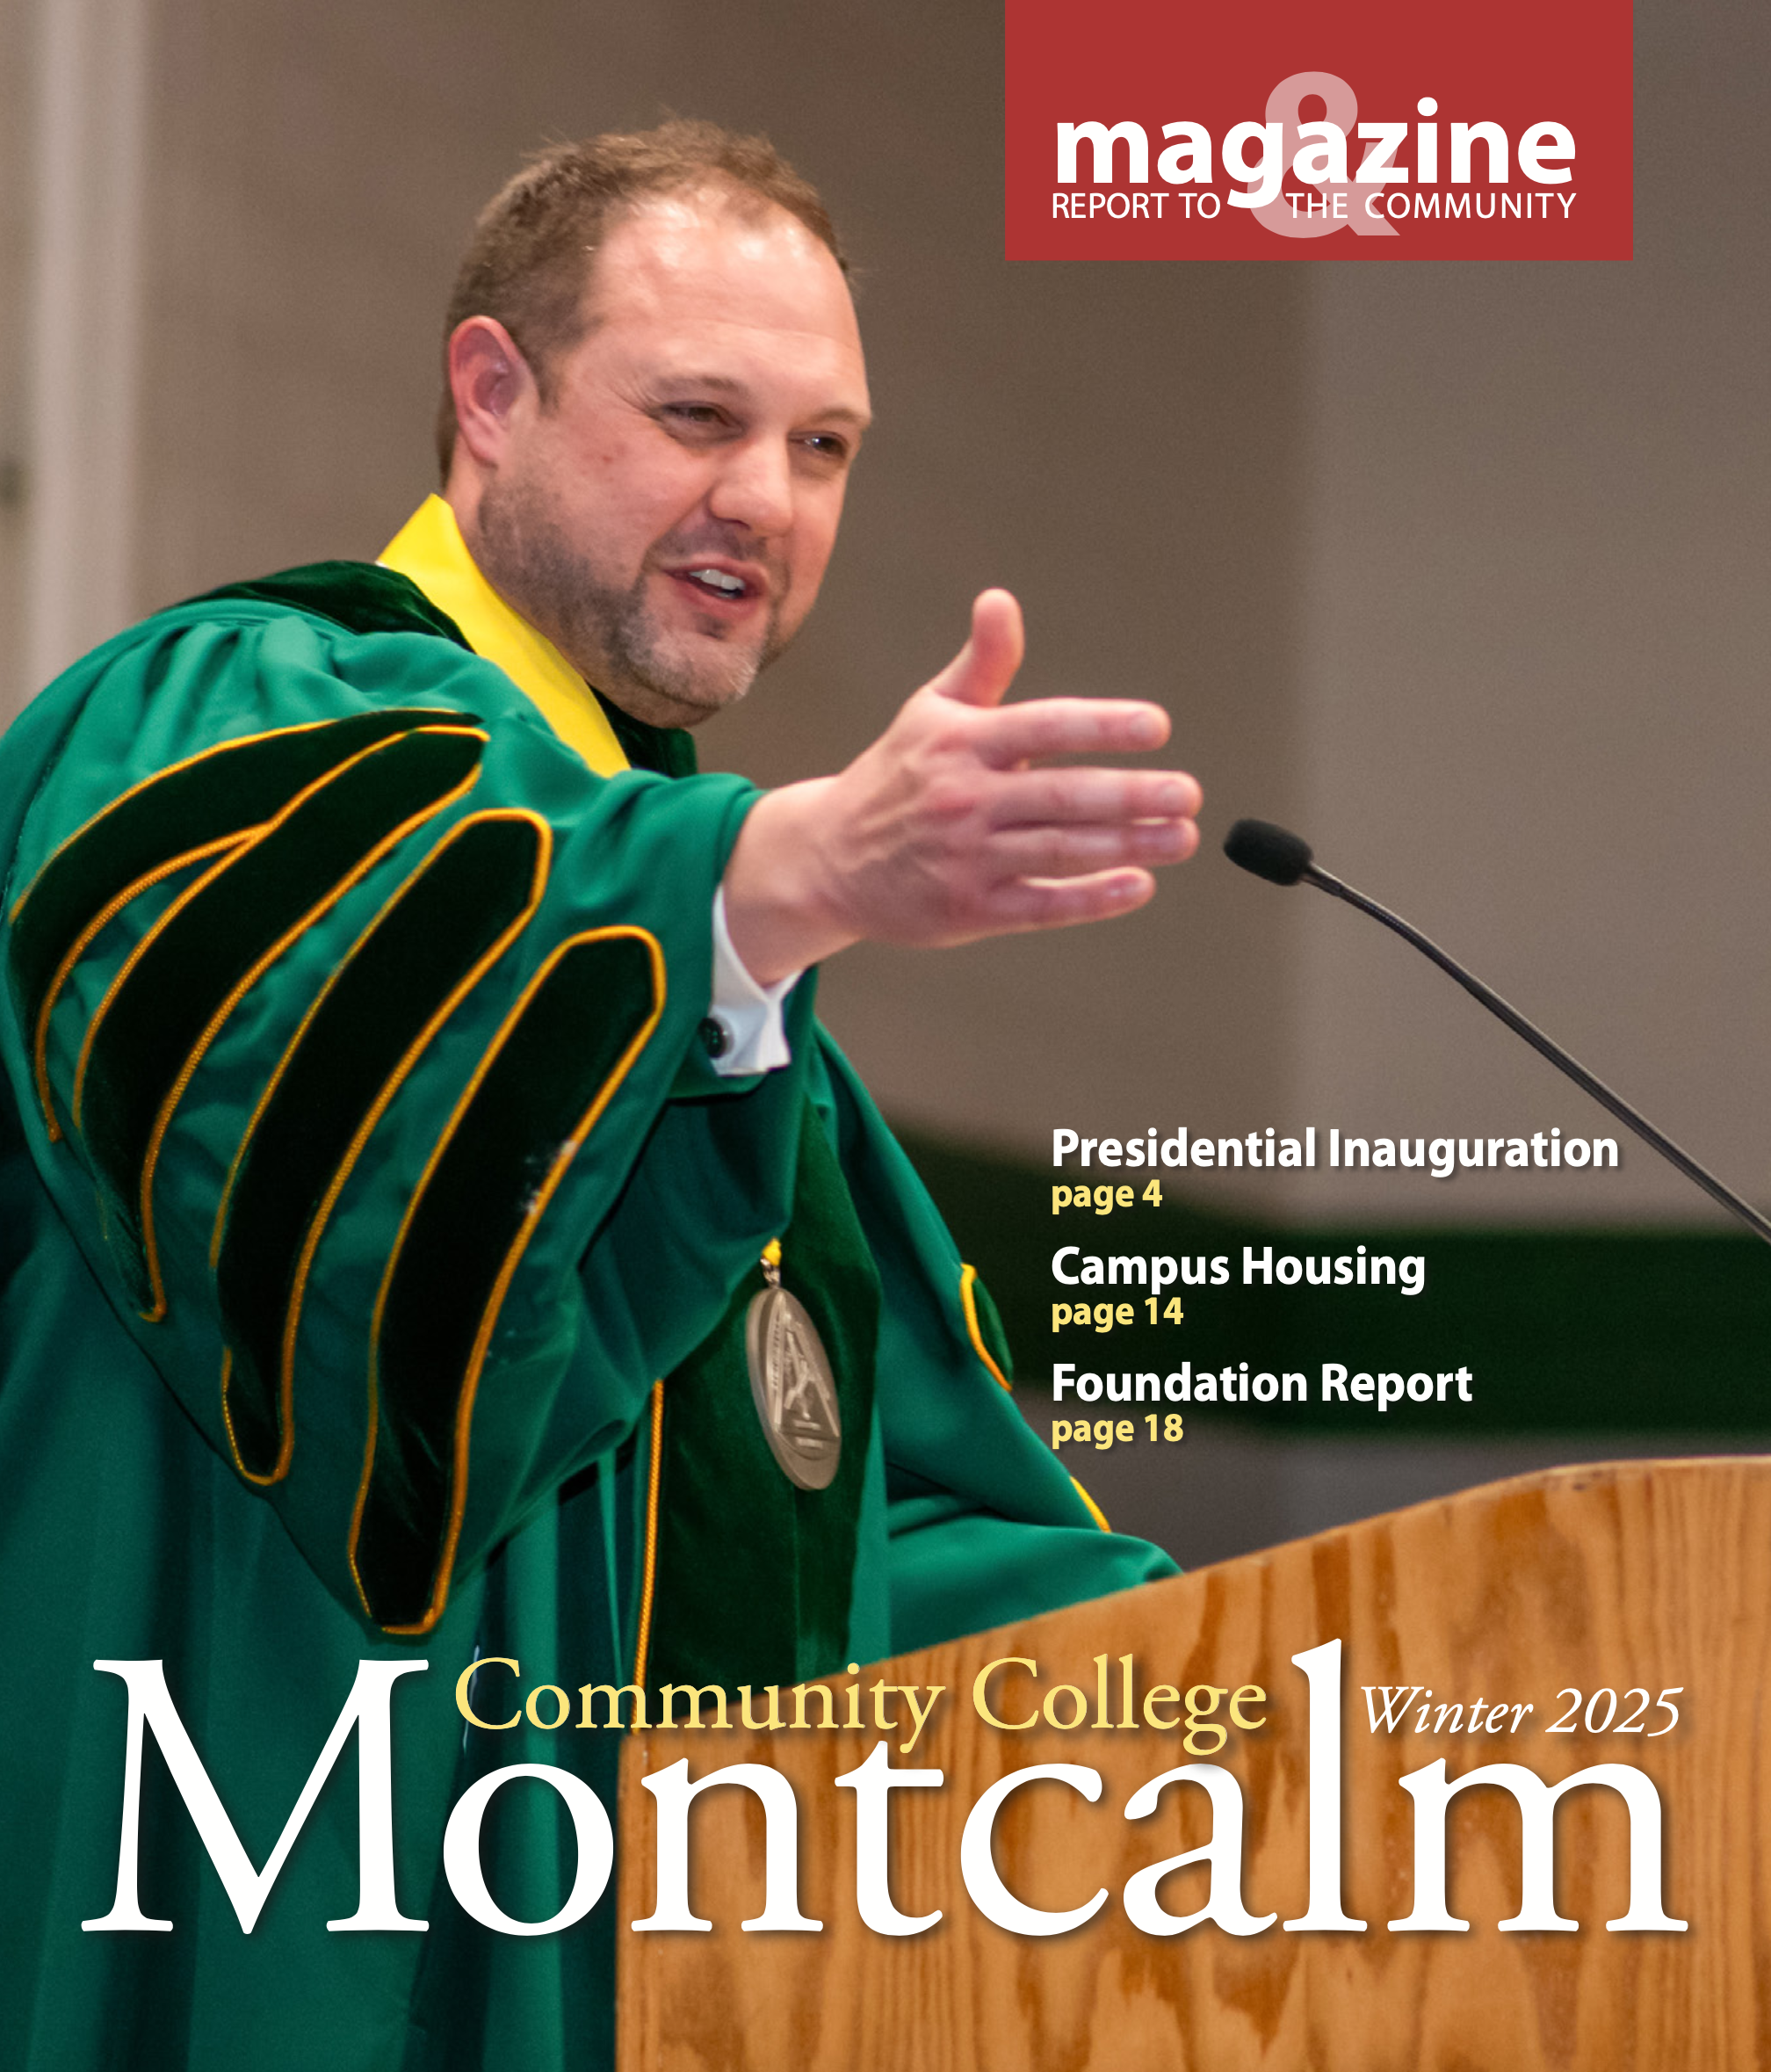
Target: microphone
pixel 1285 858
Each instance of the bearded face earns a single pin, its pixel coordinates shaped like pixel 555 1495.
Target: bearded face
pixel 684 651
pixel 665 513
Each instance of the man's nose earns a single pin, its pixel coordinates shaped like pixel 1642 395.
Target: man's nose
pixel 756 489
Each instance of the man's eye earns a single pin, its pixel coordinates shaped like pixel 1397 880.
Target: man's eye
pixel 694 416
pixel 828 446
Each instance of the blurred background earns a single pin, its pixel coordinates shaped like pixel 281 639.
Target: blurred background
pixel 1460 568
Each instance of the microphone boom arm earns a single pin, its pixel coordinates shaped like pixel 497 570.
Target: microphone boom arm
pixel 1515 1021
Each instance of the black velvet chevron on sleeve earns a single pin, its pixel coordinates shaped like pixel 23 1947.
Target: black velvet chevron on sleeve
pixel 194 809
pixel 548 1076
pixel 437 935
pixel 167 1003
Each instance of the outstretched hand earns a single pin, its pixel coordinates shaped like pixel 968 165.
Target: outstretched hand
pixel 946 830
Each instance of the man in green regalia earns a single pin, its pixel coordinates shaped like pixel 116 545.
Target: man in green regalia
pixel 433 1229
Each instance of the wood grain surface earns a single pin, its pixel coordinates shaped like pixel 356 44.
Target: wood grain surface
pixel 1637 1576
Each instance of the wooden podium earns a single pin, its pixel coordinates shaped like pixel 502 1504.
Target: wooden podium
pixel 1623 1579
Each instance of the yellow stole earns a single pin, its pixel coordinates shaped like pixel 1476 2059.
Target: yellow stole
pixel 429 551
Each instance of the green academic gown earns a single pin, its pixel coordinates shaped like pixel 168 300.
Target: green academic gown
pixel 362 1173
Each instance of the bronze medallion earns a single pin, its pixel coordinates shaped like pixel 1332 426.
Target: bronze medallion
pixel 793 1390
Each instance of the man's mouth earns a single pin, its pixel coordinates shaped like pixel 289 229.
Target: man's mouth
pixel 724 586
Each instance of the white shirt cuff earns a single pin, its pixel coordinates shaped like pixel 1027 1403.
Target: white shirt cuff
pixel 747 1034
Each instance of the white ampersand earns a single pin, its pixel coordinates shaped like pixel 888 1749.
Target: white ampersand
pixel 1340 106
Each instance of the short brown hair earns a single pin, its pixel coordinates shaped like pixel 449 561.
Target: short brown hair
pixel 528 260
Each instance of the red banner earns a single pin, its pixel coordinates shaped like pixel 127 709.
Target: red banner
pixel 1139 131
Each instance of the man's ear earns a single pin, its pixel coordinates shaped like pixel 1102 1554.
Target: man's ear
pixel 489 377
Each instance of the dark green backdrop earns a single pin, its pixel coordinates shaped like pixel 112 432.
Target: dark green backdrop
pixel 1565 1330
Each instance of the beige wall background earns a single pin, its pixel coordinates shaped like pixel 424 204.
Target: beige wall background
pixel 1462 569
pixel 16 129
pixel 1533 684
